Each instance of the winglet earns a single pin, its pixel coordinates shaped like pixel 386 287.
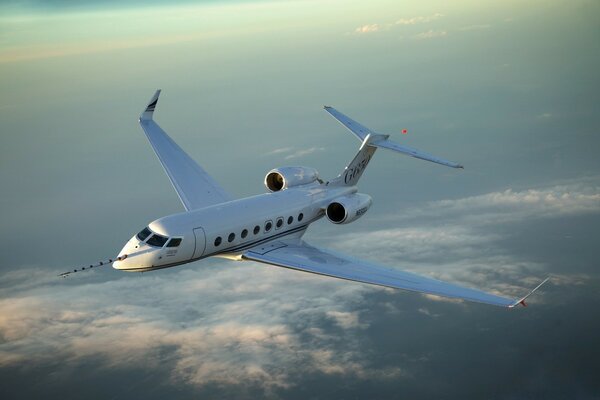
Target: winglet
pixel 522 299
pixel 149 111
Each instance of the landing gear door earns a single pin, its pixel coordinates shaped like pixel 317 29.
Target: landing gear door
pixel 200 242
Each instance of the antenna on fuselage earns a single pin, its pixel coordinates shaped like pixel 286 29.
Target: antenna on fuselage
pixel 91 266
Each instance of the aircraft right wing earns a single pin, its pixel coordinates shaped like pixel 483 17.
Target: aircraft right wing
pixel 297 254
pixel 195 188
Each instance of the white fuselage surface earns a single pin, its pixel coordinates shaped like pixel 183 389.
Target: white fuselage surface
pixel 228 229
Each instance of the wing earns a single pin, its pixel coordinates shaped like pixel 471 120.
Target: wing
pixel 298 255
pixel 195 188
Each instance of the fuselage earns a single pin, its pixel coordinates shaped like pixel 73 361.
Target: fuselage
pixel 227 229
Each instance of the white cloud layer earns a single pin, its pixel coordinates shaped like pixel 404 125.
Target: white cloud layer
pixel 229 324
pixel 304 152
pixel 370 28
pixel 241 323
pixel 567 199
pixel 367 28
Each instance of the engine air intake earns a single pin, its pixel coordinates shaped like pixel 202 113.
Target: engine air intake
pixel 274 181
pixel 287 177
pixel 336 212
pixel 348 208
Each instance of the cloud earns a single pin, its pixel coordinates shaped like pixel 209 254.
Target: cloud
pixel 370 28
pixel 367 28
pixel 430 34
pixel 346 320
pixel 419 20
pixel 559 200
pixel 225 325
pixel 278 151
pixel 304 152
pixel 294 153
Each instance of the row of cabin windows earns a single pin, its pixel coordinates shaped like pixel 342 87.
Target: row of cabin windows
pixel 256 230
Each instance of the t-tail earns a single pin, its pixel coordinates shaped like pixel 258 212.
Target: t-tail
pixel 370 142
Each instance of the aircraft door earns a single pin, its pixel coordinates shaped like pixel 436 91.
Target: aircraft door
pixel 200 242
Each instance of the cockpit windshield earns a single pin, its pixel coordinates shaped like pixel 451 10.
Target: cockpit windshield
pixel 175 242
pixel 143 234
pixel 157 240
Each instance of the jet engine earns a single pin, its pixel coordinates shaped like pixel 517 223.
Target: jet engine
pixel 286 177
pixel 348 208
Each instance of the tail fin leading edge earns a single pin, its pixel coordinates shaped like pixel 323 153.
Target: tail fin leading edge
pixel 356 167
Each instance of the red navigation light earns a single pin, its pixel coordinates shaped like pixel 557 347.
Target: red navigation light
pixel 404 131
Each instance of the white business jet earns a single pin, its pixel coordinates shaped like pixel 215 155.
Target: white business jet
pixel 268 228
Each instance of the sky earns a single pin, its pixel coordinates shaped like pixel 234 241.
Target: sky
pixel 509 89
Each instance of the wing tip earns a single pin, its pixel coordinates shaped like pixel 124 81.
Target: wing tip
pixel 521 301
pixel 149 110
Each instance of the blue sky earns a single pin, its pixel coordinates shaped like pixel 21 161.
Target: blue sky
pixel 509 89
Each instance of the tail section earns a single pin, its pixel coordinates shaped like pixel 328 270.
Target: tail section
pixel 354 170
pixel 370 142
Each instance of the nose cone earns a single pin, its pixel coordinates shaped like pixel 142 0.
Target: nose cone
pixel 120 263
pixel 135 256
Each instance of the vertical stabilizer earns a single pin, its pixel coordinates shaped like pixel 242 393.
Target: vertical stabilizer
pixel 354 170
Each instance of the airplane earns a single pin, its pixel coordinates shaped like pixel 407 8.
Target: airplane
pixel 268 228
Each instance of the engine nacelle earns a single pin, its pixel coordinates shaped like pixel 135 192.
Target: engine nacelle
pixel 286 177
pixel 348 208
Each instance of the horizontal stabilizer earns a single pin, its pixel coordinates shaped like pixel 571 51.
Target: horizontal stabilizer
pixel 409 151
pixel 379 140
pixel 359 130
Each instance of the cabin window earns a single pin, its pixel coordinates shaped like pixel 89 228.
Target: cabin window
pixel 279 222
pixel 290 220
pixel 157 240
pixel 175 242
pixel 256 229
pixel 218 241
pixel 268 226
pixel 300 217
pixel 143 234
pixel 244 233
pixel 231 237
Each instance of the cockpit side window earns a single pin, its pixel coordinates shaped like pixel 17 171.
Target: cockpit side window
pixel 143 234
pixel 157 240
pixel 175 242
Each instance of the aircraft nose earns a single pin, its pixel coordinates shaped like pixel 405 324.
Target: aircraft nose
pixel 119 261
pixel 135 257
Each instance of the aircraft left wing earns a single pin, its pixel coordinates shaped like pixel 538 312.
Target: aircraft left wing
pixel 195 188
pixel 297 254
